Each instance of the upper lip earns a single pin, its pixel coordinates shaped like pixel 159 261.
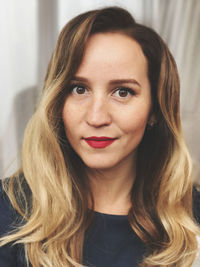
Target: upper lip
pixel 99 138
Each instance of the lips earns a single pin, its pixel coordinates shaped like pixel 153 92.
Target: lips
pixel 99 142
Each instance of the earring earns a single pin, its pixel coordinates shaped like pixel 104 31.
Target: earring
pixel 150 125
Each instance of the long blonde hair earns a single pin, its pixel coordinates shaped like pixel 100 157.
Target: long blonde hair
pixel 51 190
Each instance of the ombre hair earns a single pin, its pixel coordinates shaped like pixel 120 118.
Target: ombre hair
pixel 51 190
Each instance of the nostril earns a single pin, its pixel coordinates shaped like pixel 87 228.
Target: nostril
pixel 98 114
pixel 97 124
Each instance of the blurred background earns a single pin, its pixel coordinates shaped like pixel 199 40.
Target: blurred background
pixel 28 33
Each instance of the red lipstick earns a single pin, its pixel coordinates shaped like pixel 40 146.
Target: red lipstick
pixel 99 142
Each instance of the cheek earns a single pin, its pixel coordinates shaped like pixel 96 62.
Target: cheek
pixel 72 112
pixel 72 118
pixel 137 126
pixel 65 115
pixel 134 121
pixel 68 119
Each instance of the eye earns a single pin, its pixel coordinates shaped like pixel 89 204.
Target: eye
pixel 123 92
pixel 78 89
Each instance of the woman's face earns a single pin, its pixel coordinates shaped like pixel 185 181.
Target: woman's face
pixel 106 113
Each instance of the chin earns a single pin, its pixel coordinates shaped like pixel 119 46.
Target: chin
pixel 99 164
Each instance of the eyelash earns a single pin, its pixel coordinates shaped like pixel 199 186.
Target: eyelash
pixel 127 89
pixel 73 86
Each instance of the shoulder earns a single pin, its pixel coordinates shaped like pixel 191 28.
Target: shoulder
pixel 196 204
pixel 10 218
pixel 8 213
pixel 10 255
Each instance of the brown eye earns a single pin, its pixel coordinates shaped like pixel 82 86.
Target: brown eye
pixel 78 89
pixel 124 92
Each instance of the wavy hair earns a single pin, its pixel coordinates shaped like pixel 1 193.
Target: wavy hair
pixel 53 183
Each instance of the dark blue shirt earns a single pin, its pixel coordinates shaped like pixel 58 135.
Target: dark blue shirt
pixel 109 241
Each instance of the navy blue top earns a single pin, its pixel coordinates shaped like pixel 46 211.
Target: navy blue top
pixel 109 241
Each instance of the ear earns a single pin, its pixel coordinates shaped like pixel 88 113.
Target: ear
pixel 152 120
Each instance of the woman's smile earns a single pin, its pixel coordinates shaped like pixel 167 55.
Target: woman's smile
pixel 99 142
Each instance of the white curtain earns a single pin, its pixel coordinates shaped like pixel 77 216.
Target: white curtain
pixel 28 31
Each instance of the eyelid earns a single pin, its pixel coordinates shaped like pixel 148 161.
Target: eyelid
pixel 75 84
pixel 126 88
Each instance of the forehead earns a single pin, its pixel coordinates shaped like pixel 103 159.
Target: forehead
pixel 113 53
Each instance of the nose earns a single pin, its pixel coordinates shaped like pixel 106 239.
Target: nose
pixel 98 113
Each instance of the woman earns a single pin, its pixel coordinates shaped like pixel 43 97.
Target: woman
pixel 106 176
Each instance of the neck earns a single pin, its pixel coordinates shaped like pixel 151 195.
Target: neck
pixel 111 188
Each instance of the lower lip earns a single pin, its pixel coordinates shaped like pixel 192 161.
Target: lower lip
pixel 99 144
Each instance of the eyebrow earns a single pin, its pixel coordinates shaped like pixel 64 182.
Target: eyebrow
pixel 112 82
pixel 120 81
